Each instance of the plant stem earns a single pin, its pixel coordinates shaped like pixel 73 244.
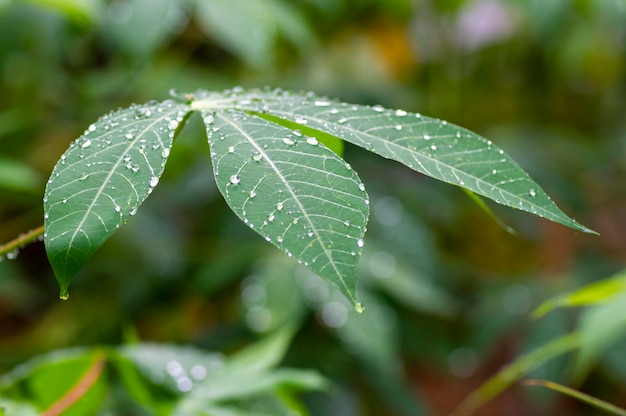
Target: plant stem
pixel 21 241
pixel 590 400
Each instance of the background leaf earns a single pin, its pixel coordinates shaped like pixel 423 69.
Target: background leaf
pixel 101 180
pixel 293 191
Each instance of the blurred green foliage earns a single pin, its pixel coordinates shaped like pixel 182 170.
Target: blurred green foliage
pixel 449 292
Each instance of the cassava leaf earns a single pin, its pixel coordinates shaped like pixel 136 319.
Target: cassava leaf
pixel 102 179
pixel 433 147
pixel 293 191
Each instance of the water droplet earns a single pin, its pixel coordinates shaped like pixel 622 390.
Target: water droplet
pixel 173 124
pixel 493 171
pixel 401 113
pixel 501 151
pixel 362 187
pixel 378 108
pixel 252 194
pixel 231 149
pixel 86 144
pixel 92 127
pixel 235 179
pixel 359 308
pixel 279 206
pixel 154 181
pixel 433 147
pixel 133 211
pixel 342 120
pixel 271 218
pixel 12 255
pixel 426 137
pixel 312 140
pixel 118 208
pixel 360 243
pixel 129 136
pixel 289 141
pixel 142 113
pixel 346 223
pixel 279 239
pixel 321 103
pixel 398 127
pixel 301 120
pixel 257 157
pixel 532 192
pixel 165 153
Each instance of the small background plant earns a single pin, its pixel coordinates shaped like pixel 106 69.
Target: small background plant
pixel 448 291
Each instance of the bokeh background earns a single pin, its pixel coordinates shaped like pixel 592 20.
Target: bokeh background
pixel 448 291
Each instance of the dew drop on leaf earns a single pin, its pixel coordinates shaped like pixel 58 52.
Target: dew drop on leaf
pixel 289 141
pixel 154 181
pixel 235 179
pixel 532 192
pixel 86 144
pixel 312 140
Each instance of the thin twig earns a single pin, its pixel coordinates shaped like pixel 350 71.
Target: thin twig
pixel 79 389
pixel 21 241
pixel 590 400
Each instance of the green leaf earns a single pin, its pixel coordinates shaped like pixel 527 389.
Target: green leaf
pixel 13 408
pixel 515 371
pixel 600 327
pixel 433 147
pixel 249 28
pixel 102 179
pixel 596 292
pixel 292 190
pixel 17 176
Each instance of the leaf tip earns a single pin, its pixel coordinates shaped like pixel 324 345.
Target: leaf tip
pixel 65 294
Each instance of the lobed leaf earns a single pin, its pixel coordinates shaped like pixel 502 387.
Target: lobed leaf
pixel 433 147
pixel 102 179
pixel 295 192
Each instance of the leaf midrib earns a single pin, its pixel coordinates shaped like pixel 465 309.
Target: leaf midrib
pixel 293 195
pixel 96 197
pixel 422 156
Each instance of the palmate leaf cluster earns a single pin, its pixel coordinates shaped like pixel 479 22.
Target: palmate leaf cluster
pixel 274 170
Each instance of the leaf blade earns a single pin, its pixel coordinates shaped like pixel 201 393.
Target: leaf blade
pixel 311 204
pixel 101 180
pixel 433 147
